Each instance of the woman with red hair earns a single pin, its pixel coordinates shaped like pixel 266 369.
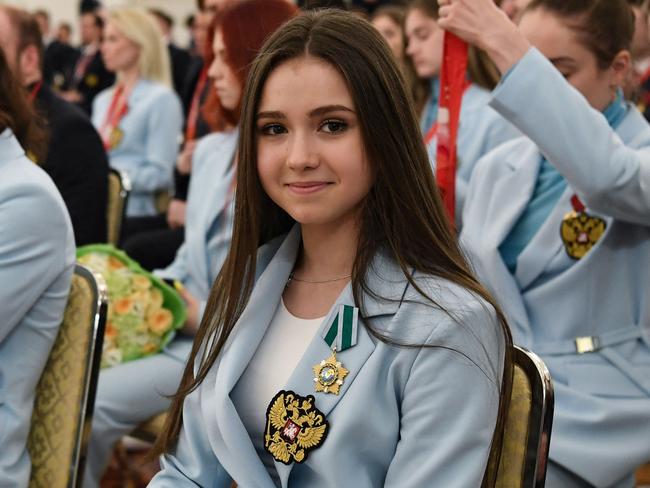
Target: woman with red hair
pixel 132 392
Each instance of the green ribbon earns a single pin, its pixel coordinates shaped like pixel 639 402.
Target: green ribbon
pixel 342 333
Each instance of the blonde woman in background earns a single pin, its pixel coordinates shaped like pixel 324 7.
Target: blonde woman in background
pixel 140 118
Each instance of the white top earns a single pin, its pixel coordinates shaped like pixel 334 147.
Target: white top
pixel 278 354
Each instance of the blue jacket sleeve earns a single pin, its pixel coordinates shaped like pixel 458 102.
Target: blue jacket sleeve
pixel 450 406
pixel 164 127
pixel 192 464
pixel 34 251
pixel 608 176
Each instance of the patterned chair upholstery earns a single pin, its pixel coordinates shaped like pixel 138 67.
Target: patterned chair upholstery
pixel 65 394
pixel 524 454
pixel 119 187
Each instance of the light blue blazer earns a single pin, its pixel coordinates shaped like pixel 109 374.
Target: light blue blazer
pixel 601 429
pixel 405 417
pixel 480 129
pixel 37 254
pixel 208 227
pixel 152 131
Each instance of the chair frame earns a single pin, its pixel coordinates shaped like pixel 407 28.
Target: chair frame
pixel 125 190
pixel 92 372
pixel 541 416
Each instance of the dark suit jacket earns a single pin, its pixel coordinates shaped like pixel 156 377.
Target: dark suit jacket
pixel 94 79
pixel 77 162
pixel 180 61
pixel 58 64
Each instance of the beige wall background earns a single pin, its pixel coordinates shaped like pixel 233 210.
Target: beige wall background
pixel 67 11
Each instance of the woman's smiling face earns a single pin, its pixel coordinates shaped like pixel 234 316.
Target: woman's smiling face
pixel 310 152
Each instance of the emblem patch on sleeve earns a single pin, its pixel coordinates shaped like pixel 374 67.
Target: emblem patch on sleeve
pixel 294 427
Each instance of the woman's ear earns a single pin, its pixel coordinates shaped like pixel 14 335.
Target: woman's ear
pixel 620 68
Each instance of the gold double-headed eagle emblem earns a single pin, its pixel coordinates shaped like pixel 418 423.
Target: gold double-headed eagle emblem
pixel 580 232
pixel 294 426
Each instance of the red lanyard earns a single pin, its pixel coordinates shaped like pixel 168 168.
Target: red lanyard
pixel 193 116
pixel 116 111
pixel 433 130
pixel 452 86
pixel 34 93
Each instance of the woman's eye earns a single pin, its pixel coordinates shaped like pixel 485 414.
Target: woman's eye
pixel 272 129
pixel 333 126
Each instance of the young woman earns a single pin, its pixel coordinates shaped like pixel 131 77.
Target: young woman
pixel 480 128
pixel 559 224
pixel 140 118
pixel 333 355
pixel 36 264
pixel 130 393
pixel 389 21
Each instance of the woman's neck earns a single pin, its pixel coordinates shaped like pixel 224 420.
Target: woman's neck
pixel 328 251
pixel 129 77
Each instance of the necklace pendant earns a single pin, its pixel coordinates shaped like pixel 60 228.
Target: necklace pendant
pixel 329 375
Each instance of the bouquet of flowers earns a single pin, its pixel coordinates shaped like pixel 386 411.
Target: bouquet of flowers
pixel 143 311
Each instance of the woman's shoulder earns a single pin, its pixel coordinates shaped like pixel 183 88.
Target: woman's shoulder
pixel 29 189
pixel 215 141
pixel 103 98
pixel 634 129
pixel 435 311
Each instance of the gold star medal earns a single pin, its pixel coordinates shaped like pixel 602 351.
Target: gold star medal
pixel 294 427
pixel 340 335
pixel 580 231
pixel 329 375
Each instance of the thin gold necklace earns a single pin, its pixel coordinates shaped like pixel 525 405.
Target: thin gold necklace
pixel 293 278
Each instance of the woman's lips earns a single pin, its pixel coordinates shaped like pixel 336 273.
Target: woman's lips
pixel 307 187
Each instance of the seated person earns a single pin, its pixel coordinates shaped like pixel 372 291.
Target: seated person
pixel 37 256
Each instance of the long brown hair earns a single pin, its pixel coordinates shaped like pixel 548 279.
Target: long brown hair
pixel 402 215
pixel 18 114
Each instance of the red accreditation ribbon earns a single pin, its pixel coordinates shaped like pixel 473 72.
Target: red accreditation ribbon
pixel 109 131
pixel 193 116
pixel 452 86
pixel 34 93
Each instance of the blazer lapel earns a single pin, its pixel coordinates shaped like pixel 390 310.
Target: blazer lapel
pixel 544 245
pixel 235 449
pixel 382 273
pixel 505 203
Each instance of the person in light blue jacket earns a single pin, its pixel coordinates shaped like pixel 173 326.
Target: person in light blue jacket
pixel 131 393
pixel 558 224
pixel 480 128
pixel 140 118
pixel 37 255
pixel 354 347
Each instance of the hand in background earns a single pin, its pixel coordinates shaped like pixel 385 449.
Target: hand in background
pixel 176 214
pixel 184 160
pixel 193 309
pixel 484 25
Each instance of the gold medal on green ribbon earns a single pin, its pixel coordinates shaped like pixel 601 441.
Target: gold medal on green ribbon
pixel 329 375
pixel 341 335
pixel 294 427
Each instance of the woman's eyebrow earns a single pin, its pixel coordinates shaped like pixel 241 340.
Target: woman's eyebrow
pixel 317 112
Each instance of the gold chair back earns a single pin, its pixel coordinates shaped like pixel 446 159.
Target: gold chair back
pixel 65 395
pixel 524 453
pixel 119 187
